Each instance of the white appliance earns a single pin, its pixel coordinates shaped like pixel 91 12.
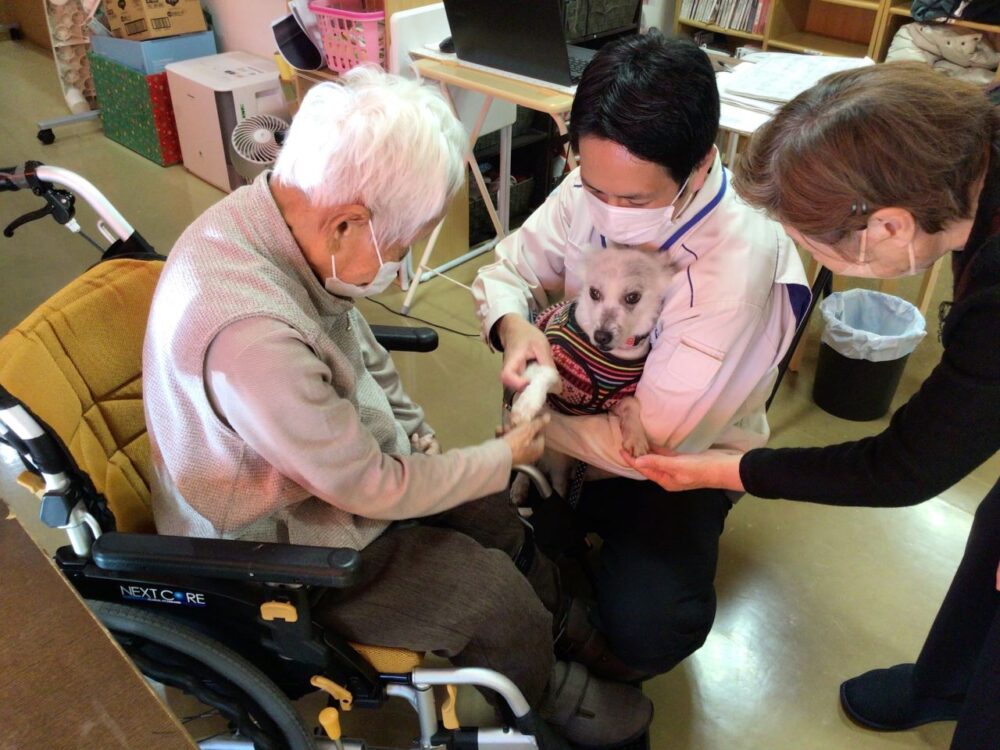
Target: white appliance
pixel 211 95
pixel 423 28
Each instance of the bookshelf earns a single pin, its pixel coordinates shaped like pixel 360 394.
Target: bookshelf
pixel 827 27
pixel 853 28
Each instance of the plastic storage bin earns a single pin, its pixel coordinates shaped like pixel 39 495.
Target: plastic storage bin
pixel 867 338
pixel 353 33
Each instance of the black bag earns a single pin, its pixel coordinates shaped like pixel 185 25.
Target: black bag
pixel 981 11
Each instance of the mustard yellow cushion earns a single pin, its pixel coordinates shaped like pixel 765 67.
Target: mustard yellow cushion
pixel 388 659
pixel 76 362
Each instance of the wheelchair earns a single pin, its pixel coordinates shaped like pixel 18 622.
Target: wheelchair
pixel 226 622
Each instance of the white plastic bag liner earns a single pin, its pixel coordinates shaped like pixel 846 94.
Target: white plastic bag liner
pixel 865 324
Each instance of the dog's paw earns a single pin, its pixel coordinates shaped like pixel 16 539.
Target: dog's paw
pixel 529 403
pixel 546 377
pixel 636 445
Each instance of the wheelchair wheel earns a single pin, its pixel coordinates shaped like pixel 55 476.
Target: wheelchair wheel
pixel 175 655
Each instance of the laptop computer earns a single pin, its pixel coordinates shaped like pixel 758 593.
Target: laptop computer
pixel 521 37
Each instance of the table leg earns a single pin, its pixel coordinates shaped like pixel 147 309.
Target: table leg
pixel 927 286
pixel 732 144
pixel 423 267
pixel 560 120
pixel 424 257
pixel 503 192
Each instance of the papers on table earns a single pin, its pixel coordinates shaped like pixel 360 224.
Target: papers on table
pixel 777 77
pixel 757 88
pixel 727 96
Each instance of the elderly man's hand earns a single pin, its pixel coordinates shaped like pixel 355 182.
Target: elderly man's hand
pixel 426 444
pixel 522 343
pixel 718 469
pixel 526 441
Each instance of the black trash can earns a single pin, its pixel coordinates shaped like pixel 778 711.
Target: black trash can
pixel 855 389
pixel 867 339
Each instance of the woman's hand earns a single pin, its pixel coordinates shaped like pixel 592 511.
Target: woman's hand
pixel 527 441
pixel 522 343
pixel 718 469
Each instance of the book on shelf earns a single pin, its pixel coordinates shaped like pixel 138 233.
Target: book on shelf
pixel 748 16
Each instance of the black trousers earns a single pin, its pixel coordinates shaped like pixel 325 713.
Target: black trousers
pixel 961 656
pixel 656 579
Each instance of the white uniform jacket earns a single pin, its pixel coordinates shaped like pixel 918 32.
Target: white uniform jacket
pixel 737 295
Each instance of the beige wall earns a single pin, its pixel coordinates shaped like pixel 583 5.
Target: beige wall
pixel 659 13
pixel 245 25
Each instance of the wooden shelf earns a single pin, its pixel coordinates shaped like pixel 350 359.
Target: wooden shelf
pixel 863 4
pixel 804 41
pixel 851 28
pixel 720 29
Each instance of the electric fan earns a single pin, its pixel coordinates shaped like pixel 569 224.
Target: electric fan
pixel 255 143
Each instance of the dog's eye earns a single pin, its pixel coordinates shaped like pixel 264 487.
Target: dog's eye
pixel 595 294
pixel 632 298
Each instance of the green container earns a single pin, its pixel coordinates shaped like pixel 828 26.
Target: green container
pixel 136 110
pixel 611 14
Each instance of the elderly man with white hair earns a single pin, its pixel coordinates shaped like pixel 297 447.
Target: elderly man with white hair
pixel 274 414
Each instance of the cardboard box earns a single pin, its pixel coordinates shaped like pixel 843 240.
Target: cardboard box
pixel 153 55
pixel 139 20
pixel 136 110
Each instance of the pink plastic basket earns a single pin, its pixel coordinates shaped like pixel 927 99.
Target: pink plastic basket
pixel 351 35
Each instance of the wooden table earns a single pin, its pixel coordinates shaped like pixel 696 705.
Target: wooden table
pixel 64 683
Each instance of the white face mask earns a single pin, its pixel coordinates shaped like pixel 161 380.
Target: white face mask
pixel 632 226
pixel 383 277
pixel 875 269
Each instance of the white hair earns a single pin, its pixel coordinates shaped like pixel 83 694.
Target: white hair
pixel 376 139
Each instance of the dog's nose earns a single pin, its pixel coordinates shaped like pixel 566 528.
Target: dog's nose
pixel 603 338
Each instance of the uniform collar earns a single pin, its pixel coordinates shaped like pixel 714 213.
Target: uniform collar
pixel 705 201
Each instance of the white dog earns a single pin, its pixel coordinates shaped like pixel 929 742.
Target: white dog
pixel 599 343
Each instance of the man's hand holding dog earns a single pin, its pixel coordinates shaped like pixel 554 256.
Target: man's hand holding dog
pixel 522 343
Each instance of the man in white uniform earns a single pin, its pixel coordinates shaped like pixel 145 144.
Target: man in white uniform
pixel 644 123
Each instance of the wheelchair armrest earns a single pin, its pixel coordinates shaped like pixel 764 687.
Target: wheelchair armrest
pixel 226 558
pixel 403 339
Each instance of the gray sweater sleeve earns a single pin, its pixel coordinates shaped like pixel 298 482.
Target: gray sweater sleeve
pixel 380 365
pixel 269 387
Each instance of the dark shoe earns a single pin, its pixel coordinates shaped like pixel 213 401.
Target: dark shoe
pixel 594 713
pixel 884 699
pixel 580 641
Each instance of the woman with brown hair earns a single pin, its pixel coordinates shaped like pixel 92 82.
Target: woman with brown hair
pixel 878 172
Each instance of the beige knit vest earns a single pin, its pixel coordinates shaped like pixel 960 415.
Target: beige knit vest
pixel 239 260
